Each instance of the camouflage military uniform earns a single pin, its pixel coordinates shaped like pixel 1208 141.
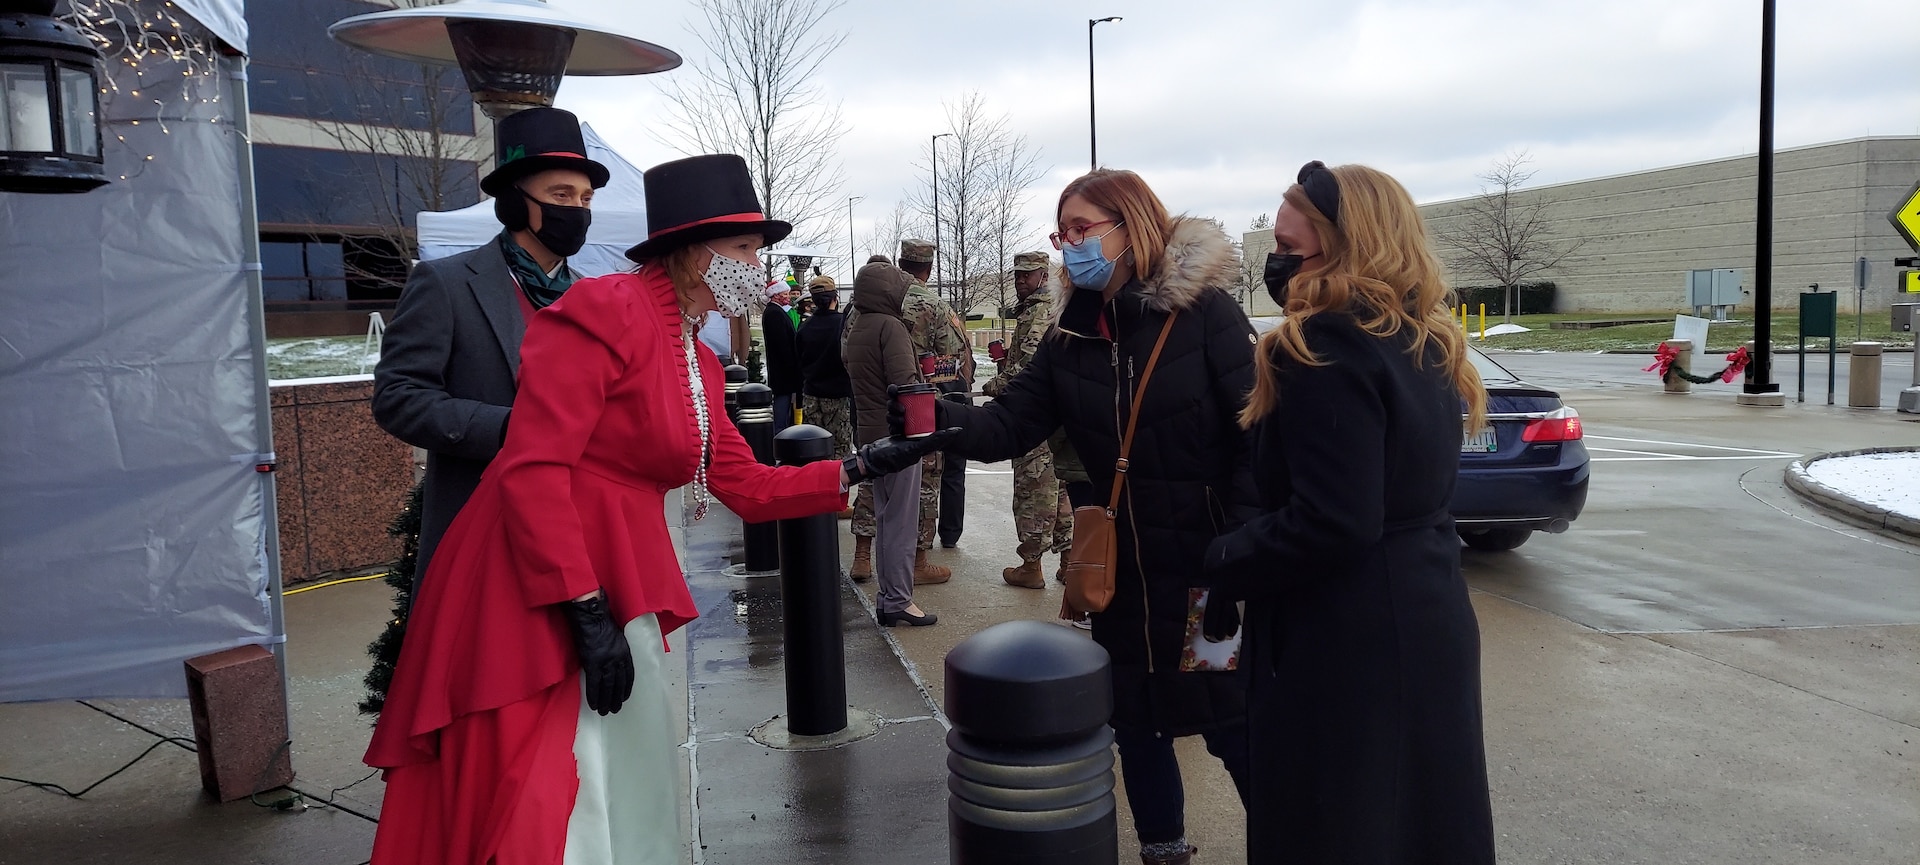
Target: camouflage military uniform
pixel 934 329
pixel 835 415
pixel 1042 519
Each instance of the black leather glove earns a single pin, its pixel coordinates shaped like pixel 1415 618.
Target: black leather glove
pixel 897 414
pixel 605 658
pixel 893 453
pixel 1221 619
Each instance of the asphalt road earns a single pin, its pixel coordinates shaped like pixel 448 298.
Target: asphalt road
pixel 1585 369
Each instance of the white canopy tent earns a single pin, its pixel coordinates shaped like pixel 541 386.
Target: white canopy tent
pixel 135 528
pixel 619 218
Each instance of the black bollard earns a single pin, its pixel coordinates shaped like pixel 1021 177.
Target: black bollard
pixel 756 426
pixel 810 589
pixel 1030 762
pixel 736 376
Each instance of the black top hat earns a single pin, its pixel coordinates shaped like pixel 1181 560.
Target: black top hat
pixel 700 198
pixel 539 139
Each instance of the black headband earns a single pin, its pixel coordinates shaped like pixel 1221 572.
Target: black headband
pixel 1321 189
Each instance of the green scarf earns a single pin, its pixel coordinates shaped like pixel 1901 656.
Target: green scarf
pixel 541 290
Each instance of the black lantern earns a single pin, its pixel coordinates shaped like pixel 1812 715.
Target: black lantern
pixel 513 52
pixel 49 103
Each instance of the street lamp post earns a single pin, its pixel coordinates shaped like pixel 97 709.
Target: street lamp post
pixel 934 145
pixel 1093 137
pixel 1761 381
pixel 512 52
pixel 852 268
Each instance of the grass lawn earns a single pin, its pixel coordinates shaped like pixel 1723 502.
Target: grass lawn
pixel 1724 336
pixel 314 357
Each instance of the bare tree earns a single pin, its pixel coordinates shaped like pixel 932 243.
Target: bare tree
pixel 1499 238
pixel 899 224
pixel 1260 221
pixel 985 172
pixel 755 95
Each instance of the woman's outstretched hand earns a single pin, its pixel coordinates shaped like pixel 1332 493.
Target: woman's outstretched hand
pixel 893 453
pixel 605 659
pixel 897 413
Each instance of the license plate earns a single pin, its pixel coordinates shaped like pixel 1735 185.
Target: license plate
pixel 1482 442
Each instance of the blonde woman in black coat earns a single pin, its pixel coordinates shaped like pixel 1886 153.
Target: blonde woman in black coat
pixel 1364 653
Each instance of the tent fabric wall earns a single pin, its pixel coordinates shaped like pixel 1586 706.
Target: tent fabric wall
pixel 619 219
pixel 225 19
pixel 132 534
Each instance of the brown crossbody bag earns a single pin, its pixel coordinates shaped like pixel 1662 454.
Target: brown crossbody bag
pixel 1094 557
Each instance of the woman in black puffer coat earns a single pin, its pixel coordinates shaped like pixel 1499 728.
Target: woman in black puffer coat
pixel 1133 266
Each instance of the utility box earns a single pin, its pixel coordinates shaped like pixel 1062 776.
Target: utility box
pixel 1903 317
pixel 1713 292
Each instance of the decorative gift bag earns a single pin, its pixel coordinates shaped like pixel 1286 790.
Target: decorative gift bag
pixel 1201 654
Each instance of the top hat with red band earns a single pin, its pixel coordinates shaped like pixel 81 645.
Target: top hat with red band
pixel 533 140
pixel 701 198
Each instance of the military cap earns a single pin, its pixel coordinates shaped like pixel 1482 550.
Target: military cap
pixel 920 251
pixel 1030 261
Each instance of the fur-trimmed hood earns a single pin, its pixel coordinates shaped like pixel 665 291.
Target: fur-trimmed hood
pixel 1199 258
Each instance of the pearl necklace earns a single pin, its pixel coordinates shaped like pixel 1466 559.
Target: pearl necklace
pixel 698 389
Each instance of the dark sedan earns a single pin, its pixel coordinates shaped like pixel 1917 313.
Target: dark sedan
pixel 1525 471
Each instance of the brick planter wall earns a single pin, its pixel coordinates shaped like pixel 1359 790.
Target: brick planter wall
pixel 341 478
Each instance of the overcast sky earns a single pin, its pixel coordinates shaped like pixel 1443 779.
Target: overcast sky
pixel 1218 102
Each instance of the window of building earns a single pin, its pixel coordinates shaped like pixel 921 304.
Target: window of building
pixel 298 71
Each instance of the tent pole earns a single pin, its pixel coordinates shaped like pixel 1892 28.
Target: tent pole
pixel 250 266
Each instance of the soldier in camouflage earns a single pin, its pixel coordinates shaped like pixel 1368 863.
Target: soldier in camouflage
pixel 937 331
pixel 1038 496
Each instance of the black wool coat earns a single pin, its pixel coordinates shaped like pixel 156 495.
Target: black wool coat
pixel 1180 491
pixel 781 350
pixel 1362 651
pixel 446 377
pixel 822 373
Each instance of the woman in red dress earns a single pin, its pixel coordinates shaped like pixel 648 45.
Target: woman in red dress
pixel 545 608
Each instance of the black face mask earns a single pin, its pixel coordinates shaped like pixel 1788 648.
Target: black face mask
pixel 563 229
pixel 1279 272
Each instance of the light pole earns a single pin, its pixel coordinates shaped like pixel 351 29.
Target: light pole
pixel 1762 379
pixel 852 268
pixel 512 52
pixel 1093 137
pixel 934 145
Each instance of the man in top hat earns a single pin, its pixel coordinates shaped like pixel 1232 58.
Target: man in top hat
pixel 937 331
pixel 1042 519
pixel 779 328
pixel 448 362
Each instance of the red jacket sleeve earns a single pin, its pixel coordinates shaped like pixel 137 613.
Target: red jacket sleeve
pixel 755 492
pixel 574 352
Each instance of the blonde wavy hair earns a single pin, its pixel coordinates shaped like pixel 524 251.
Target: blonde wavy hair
pixel 1377 263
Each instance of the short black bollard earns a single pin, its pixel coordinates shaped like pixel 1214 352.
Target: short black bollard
pixel 1030 762
pixel 816 659
pixel 736 376
pixel 756 426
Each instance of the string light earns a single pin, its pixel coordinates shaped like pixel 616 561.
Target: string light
pixel 150 44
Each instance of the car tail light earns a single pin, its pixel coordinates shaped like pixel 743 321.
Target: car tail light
pixel 1560 426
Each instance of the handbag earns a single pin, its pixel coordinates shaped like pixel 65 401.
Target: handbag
pixel 1094 555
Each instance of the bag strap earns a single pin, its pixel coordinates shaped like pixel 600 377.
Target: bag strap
pixel 1133 413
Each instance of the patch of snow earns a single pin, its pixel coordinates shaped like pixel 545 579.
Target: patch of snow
pixel 1504 329
pixel 1890 480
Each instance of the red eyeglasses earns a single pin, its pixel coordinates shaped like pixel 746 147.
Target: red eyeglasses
pixel 1078 234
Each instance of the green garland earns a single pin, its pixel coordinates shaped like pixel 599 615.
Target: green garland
pixel 385 648
pixel 1675 371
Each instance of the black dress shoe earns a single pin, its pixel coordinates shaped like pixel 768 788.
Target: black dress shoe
pixel 902 617
pixel 948 545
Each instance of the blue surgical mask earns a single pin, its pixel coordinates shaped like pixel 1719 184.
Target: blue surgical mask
pixel 1086 266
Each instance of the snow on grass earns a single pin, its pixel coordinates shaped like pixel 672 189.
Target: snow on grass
pixel 1503 330
pixel 316 357
pixel 1885 480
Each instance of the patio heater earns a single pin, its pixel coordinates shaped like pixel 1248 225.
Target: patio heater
pixel 512 52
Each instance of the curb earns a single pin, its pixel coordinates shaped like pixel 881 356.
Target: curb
pixel 1844 506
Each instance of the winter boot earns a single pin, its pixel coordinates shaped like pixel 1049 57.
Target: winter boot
pixel 926 573
pixel 1150 856
pixel 1060 573
pixel 862 559
pixel 1027 576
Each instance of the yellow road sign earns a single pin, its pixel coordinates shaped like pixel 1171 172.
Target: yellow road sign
pixel 1906 217
pixel 1910 281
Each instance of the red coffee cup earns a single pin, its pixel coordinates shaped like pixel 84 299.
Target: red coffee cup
pixel 926 363
pixel 997 350
pixel 916 402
